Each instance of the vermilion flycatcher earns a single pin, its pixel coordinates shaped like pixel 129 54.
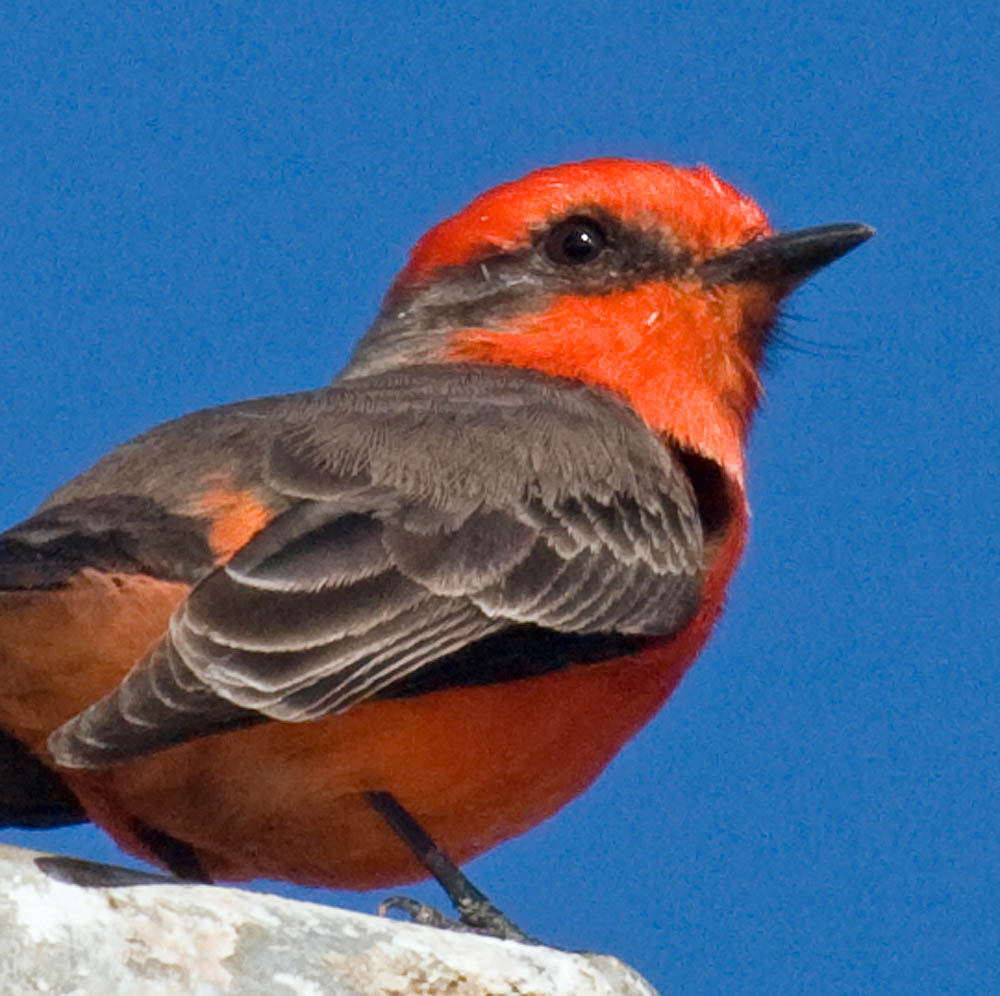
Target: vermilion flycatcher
pixel 333 637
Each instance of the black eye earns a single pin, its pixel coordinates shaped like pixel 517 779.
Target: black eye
pixel 575 241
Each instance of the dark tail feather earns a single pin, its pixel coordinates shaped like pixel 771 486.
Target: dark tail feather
pixel 33 796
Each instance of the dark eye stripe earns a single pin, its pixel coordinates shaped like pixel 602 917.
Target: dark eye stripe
pixel 602 255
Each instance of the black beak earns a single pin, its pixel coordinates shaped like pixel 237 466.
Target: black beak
pixel 787 259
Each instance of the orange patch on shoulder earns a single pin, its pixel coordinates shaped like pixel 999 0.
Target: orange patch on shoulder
pixel 236 517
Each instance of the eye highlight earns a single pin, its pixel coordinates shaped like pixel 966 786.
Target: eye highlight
pixel 574 241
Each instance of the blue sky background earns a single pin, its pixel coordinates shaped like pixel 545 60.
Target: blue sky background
pixel 200 203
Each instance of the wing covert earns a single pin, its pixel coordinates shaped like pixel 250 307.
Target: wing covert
pixel 428 513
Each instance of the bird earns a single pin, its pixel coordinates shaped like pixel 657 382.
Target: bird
pixel 354 636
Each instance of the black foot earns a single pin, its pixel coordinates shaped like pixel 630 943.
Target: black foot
pixel 486 919
pixel 476 913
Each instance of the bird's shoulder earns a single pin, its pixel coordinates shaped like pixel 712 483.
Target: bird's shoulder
pixel 185 496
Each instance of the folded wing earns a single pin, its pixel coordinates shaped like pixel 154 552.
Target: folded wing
pixel 431 512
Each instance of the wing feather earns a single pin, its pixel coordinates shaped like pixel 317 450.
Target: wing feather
pixel 422 519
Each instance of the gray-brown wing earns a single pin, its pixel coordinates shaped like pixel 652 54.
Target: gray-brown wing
pixel 430 512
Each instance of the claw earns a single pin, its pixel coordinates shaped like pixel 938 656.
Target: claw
pixel 419 912
pixel 474 918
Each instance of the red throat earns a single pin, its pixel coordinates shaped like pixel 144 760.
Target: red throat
pixel 674 352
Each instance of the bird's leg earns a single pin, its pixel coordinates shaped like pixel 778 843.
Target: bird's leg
pixel 475 911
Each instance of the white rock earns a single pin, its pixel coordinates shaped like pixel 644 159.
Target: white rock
pixel 75 928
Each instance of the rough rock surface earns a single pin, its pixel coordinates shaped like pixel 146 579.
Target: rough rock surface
pixel 75 928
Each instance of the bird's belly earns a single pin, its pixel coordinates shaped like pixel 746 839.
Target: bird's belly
pixel 63 648
pixel 475 766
